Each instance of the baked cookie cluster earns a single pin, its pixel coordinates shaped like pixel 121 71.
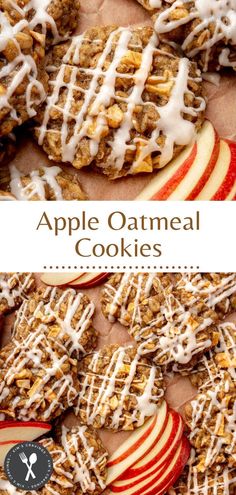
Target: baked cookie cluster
pixel 204 30
pixel 120 100
pixel 172 317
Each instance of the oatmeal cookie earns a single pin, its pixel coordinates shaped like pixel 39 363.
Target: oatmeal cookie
pixel 164 327
pixel 65 314
pixel 14 288
pixel 23 79
pixel 216 290
pixel 211 417
pixel 120 101
pixel 5 196
pixel 61 480
pixel 38 378
pixel 7 148
pixel 205 30
pixel 119 388
pixel 220 481
pixel 43 184
pixel 220 363
pixel 88 457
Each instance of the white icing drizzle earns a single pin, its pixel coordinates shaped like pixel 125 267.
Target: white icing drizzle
pixel 54 383
pixel 80 452
pixel 220 13
pixel 72 323
pixel 212 411
pixel 211 292
pixel 23 66
pixel 208 483
pixel 10 292
pixel 227 346
pixel 39 180
pixel 97 389
pixel 172 122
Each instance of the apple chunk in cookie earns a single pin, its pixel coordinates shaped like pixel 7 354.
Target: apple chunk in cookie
pixel 65 314
pixel 119 100
pixel 119 389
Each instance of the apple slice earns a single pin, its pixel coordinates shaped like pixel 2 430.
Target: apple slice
pixel 18 430
pixel 162 451
pixel 59 279
pixel 137 445
pixel 222 179
pixel 158 483
pixel 187 174
pixel 89 280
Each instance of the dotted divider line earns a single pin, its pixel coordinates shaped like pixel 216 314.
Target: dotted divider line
pixel 121 267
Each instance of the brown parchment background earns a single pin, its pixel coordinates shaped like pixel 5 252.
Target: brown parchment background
pixel 179 390
pixel 220 110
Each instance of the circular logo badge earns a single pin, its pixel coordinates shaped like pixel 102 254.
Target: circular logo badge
pixel 28 465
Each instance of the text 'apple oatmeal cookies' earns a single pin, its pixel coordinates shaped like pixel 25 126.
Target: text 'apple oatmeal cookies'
pixel 23 79
pixel 14 288
pixel 38 377
pixel 221 481
pixel 206 30
pixel 63 314
pixel 88 457
pixel 43 184
pixel 119 389
pixel 119 100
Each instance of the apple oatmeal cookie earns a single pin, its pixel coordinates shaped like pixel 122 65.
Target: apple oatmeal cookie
pixel 64 314
pixel 23 79
pixel 162 325
pixel 43 184
pixel 204 29
pixel 14 288
pixel 119 388
pixel 119 100
pixel 87 455
pixel 220 481
pixel 38 378
pixel 211 417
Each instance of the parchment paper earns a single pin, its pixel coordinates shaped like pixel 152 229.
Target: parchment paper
pixel 179 389
pixel 221 107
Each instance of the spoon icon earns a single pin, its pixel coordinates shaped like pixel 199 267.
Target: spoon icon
pixel 32 460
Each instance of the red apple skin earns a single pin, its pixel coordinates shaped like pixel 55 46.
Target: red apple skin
pixel 156 486
pixel 230 177
pixel 12 442
pixel 134 446
pixel 181 463
pixel 92 283
pixel 173 182
pixel 177 420
pixel 17 424
pixel 208 171
pixel 139 442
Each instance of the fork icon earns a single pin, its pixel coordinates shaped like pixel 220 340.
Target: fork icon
pixel 29 463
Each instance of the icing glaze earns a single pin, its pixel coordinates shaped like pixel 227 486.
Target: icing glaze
pixel 97 98
pixel 68 321
pixel 207 13
pixel 38 182
pixel 97 389
pixel 10 292
pixel 22 66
